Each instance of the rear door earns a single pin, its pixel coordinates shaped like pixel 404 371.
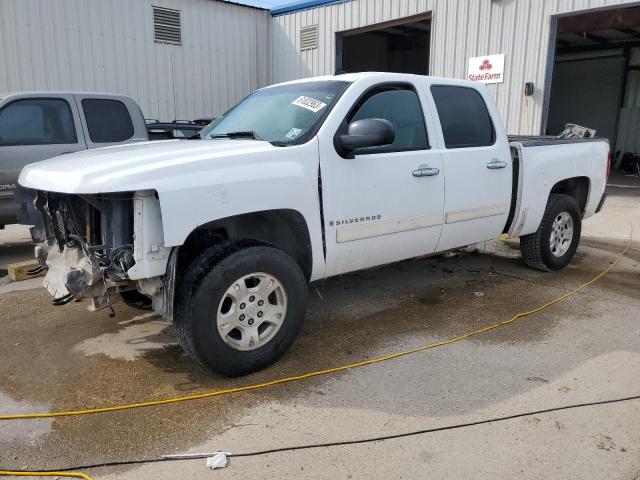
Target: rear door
pixel 110 120
pixel 477 165
pixel 33 128
pixel 386 203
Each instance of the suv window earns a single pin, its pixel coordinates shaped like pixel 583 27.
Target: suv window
pixel 108 121
pixel 401 107
pixel 37 121
pixel 464 117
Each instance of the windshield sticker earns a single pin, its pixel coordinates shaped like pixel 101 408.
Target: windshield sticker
pixel 309 103
pixel 293 133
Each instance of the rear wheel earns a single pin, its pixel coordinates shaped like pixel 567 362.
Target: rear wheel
pixel 239 307
pixel 554 244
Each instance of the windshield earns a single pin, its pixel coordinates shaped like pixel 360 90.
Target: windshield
pixel 282 115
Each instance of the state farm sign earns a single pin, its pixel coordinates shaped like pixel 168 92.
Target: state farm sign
pixel 487 69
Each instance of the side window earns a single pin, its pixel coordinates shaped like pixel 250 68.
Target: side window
pixel 37 121
pixel 401 107
pixel 108 121
pixel 464 117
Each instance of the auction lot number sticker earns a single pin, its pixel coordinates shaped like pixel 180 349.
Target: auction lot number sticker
pixel 309 103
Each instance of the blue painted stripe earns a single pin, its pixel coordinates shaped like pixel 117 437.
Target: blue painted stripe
pixel 298 6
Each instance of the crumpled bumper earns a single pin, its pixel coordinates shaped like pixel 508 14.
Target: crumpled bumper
pixel 70 272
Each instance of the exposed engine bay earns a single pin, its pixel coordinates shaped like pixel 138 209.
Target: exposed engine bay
pixel 101 247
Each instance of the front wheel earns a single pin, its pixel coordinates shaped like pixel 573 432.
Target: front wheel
pixel 554 244
pixel 239 307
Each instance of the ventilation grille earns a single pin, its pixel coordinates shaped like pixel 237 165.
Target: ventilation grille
pixel 166 25
pixel 309 37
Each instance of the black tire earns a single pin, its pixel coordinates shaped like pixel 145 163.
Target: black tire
pixel 201 290
pixel 135 299
pixel 535 248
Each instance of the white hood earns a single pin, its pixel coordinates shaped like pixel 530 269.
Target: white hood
pixel 136 166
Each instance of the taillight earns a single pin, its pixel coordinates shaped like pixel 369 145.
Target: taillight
pixel 609 162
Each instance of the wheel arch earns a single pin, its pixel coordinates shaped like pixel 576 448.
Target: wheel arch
pixel 576 187
pixel 285 229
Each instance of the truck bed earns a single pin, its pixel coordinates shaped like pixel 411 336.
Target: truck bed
pixel 537 171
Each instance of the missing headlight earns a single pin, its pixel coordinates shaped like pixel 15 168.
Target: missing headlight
pixel 89 244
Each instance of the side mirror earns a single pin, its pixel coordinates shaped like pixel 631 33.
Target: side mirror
pixel 366 133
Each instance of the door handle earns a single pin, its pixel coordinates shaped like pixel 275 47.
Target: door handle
pixel 495 164
pixel 425 171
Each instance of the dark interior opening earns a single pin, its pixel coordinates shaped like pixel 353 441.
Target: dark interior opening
pixel 401 48
pixel 596 77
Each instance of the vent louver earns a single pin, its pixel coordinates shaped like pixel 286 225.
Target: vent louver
pixel 166 25
pixel 309 37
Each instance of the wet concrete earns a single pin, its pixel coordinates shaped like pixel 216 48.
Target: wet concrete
pixel 585 348
pixel 23 431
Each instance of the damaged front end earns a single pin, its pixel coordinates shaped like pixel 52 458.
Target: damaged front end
pixel 101 247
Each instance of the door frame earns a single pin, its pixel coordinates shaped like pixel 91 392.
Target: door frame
pixel 377 26
pixel 551 52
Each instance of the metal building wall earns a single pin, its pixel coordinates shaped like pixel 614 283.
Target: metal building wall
pixel 97 45
pixel 460 29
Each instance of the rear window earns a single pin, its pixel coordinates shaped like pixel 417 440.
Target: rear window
pixel 108 121
pixel 464 117
pixel 37 121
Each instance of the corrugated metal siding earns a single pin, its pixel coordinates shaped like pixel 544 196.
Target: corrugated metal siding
pixel 108 46
pixel 229 50
pixel 288 62
pixel 460 29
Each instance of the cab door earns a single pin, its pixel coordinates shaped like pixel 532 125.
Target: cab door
pixel 385 203
pixel 477 164
pixel 33 128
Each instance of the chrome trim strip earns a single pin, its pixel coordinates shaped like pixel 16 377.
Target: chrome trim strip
pixel 376 229
pixel 473 213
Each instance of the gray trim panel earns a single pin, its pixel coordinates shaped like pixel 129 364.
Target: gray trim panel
pixel 533 141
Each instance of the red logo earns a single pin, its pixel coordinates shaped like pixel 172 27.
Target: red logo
pixel 486 65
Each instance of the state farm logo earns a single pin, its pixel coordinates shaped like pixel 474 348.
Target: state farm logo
pixel 486 65
pixel 486 68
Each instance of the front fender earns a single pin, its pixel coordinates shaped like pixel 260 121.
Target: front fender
pixel 284 179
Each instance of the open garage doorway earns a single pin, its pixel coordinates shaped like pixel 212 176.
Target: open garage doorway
pixel 595 80
pixel 400 46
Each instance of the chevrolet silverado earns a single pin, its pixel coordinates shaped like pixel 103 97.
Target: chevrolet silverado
pixel 301 181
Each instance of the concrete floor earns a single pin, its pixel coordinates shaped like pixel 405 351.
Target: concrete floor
pixel 584 349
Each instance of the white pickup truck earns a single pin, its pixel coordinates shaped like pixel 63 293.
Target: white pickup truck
pixel 298 182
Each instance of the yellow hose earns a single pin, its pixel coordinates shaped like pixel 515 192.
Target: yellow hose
pixel 45 474
pixel 327 371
